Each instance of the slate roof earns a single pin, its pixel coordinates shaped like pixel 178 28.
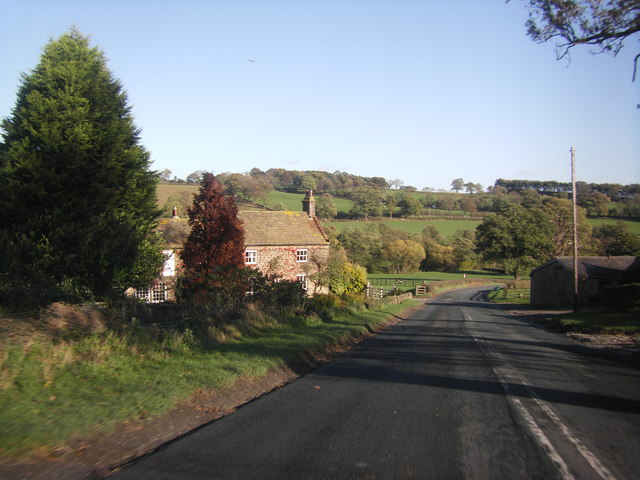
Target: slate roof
pixel 262 228
pixel 598 267
pixel 174 231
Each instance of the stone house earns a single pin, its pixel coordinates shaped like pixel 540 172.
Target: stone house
pixel 552 284
pixel 290 245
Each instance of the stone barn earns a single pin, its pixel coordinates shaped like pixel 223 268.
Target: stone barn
pixel 552 284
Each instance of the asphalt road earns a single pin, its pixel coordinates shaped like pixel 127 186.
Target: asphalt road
pixel 458 390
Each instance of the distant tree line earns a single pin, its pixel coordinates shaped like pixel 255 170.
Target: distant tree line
pixel 373 197
pixel 598 199
pixel 614 191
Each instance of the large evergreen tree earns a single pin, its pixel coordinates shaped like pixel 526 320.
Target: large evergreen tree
pixel 77 199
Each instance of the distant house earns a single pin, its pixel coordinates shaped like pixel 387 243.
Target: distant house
pixel 552 284
pixel 290 245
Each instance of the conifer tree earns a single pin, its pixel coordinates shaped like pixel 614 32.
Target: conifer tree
pixel 213 254
pixel 77 199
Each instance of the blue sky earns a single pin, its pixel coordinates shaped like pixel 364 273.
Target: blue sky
pixel 421 91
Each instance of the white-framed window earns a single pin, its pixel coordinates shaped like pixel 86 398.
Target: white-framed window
pixel 159 293
pixel 152 294
pixel 302 278
pixel 169 267
pixel 143 293
pixel 302 255
pixel 250 257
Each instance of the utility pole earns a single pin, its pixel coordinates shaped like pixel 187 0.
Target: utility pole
pixel 575 230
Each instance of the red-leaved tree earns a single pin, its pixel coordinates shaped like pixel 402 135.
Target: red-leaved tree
pixel 213 254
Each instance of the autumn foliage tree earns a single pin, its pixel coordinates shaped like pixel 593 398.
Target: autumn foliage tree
pixel 213 253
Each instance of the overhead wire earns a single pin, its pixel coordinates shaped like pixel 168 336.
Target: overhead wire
pixel 528 176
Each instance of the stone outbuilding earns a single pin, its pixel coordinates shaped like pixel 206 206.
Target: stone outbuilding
pixel 552 284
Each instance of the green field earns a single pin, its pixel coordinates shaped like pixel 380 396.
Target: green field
pixel 165 190
pixel 634 226
pixel 440 276
pixel 408 281
pixel 436 282
pixel 293 201
pixel 445 227
pixel 448 227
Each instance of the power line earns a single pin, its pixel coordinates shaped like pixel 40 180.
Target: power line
pixel 528 176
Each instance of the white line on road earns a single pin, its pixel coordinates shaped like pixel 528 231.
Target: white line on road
pixel 540 437
pixel 506 375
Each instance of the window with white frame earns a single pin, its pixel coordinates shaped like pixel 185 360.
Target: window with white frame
pixel 159 293
pixel 152 294
pixel 302 278
pixel 143 293
pixel 302 255
pixel 250 257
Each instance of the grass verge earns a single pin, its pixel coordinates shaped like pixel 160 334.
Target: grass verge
pixel 54 387
pixel 593 322
pixel 612 323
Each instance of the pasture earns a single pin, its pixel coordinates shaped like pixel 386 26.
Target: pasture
pixel 388 279
pixel 634 226
pixel 293 201
pixel 445 227
pixel 166 190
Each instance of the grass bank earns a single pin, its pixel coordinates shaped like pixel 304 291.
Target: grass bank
pixel 596 322
pixel 588 322
pixel 57 384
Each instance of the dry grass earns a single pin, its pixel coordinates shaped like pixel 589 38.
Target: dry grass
pixel 68 319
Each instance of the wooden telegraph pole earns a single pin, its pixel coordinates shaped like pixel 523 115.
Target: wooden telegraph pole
pixel 575 230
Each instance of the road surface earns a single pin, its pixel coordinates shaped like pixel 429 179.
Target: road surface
pixel 460 389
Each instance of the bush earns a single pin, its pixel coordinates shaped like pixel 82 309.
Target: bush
pixel 348 278
pixel 323 302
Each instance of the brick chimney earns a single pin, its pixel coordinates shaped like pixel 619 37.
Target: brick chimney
pixel 309 204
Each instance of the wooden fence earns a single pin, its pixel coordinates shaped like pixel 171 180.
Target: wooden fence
pixel 376 292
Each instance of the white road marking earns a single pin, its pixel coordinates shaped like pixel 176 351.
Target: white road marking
pixel 541 438
pixel 507 374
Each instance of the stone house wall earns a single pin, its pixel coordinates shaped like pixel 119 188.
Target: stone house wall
pixel 284 261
